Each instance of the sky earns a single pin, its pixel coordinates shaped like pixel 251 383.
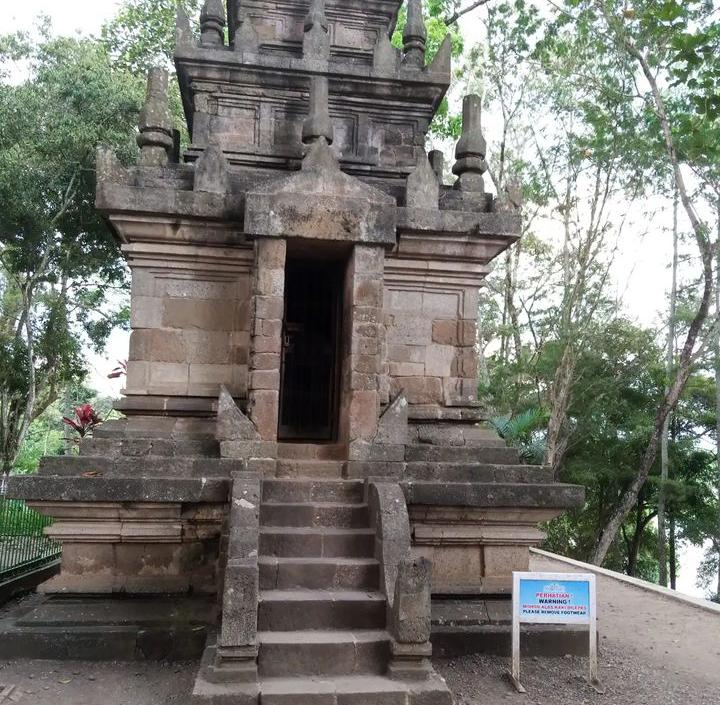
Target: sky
pixel 641 275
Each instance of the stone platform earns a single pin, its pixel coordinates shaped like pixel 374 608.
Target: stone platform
pixel 103 628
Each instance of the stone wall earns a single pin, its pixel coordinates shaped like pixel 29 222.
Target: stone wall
pixel 431 331
pixel 190 323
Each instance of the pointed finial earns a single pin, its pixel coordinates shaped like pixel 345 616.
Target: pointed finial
pixel 423 188
pixel 211 171
pixel 183 31
pixel 212 23
pixel 316 40
pixel 318 125
pixel 386 57
pixel 414 36
pixel 437 162
pixel 245 37
pixel 470 162
pixel 156 135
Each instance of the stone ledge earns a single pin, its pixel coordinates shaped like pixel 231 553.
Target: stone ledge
pixel 118 489
pixel 476 494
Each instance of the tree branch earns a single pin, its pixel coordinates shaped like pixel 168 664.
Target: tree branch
pixel 463 11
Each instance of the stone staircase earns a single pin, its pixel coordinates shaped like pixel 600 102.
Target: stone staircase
pixel 322 618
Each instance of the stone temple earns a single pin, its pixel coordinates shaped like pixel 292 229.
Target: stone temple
pixel 302 470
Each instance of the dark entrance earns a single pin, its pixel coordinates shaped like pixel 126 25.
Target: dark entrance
pixel 310 352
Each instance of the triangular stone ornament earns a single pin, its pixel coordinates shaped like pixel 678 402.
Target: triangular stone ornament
pixel 246 38
pixel 232 424
pixel 393 423
pixel 184 36
pixel 386 58
pixel 108 166
pixel 442 61
pixel 211 171
pixel 423 187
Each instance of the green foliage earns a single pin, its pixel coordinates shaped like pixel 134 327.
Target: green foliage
pixel 61 275
pixel 142 33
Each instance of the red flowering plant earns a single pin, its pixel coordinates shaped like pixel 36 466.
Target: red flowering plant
pixel 85 420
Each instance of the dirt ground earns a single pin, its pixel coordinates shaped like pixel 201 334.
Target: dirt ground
pixel 653 651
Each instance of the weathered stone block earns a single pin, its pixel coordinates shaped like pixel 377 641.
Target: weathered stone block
pixel 418 390
pixel 439 360
pixel 232 424
pixel 411 607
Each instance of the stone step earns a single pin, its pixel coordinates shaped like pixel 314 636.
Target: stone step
pixel 289 610
pixel 170 427
pixel 330 514
pixel 318 573
pixel 323 653
pixel 293 542
pixel 457 472
pixel 143 447
pixel 461 454
pixel 347 690
pixel 310 468
pixel 146 466
pixel 312 451
pixel 296 491
pixel 353 690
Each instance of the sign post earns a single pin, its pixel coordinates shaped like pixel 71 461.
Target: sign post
pixel 554 598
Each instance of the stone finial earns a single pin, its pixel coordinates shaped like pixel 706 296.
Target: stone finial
pixel 386 58
pixel 156 136
pixel 414 36
pixel 423 188
pixel 212 23
pixel 183 32
pixel 245 38
pixel 437 162
pixel 211 174
pixel 318 125
pixel 316 40
pixel 470 151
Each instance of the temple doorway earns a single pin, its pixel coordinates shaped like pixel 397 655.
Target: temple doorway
pixel 310 366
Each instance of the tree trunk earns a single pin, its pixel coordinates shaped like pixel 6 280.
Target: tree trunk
pixel 672 551
pixel 717 391
pixel 559 403
pixel 669 361
pixel 687 353
pixel 636 539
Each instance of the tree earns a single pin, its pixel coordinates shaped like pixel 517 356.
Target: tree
pixel 675 44
pixel 59 265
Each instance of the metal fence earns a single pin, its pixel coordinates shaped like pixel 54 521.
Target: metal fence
pixel 23 546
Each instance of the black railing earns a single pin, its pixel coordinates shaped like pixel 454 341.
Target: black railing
pixel 23 545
